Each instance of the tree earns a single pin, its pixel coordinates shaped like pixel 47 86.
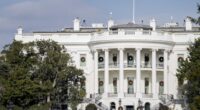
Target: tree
pixel 189 72
pixel 39 72
pixel 189 76
pixel 196 20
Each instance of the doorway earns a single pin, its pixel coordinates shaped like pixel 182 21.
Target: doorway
pixel 129 107
pixel 147 106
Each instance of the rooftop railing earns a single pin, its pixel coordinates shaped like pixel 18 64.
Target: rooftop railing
pixel 132 35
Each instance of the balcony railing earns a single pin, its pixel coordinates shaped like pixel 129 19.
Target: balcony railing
pixel 129 94
pixel 146 65
pixel 133 65
pixel 160 66
pixel 101 65
pixel 111 94
pixel 149 95
pixel 113 65
pixel 129 65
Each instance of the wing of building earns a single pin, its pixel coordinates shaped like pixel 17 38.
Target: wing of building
pixel 126 66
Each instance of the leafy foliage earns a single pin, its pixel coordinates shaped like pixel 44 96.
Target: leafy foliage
pixel 33 72
pixel 189 76
pixel 189 72
pixel 196 20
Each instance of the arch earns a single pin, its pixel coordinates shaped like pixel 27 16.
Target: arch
pixel 91 107
pixel 112 106
pixel 147 106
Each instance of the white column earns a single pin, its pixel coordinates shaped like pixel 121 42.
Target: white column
pixel 96 71
pixel 154 73
pixel 121 73
pixel 106 73
pixel 138 73
pixel 165 71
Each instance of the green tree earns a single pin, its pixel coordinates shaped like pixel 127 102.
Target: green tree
pixel 189 72
pixel 189 76
pixel 40 71
pixel 196 20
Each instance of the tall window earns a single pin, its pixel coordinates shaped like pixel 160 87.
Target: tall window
pixel 146 59
pixel 115 85
pixel 101 83
pixel 146 84
pixel 130 60
pixel 180 58
pixel 130 85
pixel 82 60
pixel 115 59
pixel 101 61
pixel 161 87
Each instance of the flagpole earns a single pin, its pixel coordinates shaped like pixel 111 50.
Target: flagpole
pixel 133 11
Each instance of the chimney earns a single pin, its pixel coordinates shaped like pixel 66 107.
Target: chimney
pixel 188 24
pixel 110 23
pixel 153 24
pixel 76 24
pixel 20 30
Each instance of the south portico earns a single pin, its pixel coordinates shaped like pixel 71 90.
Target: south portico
pixel 131 72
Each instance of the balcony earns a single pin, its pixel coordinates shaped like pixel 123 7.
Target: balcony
pixel 160 65
pixel 113 65
pixel 111 94
pixel 101 65
pixel 129 94
pixel 146 65
pixel 148 95
pixel 129 65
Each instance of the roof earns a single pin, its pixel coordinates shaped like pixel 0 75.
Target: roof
pixel 178 29
pixel 131 25
pixel 71 30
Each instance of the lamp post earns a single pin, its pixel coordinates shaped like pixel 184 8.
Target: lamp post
pixel 120 107
pixel 140 107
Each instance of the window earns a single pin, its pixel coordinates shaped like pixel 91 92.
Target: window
pixel 130 60
pixel 115 59
pixel 82 60
pixel 115 85
pixel 180 58
pixel 101 61
pixel 146 84
pixel 130 85
pixel 146 59
pixel 101 83
pixel 161 87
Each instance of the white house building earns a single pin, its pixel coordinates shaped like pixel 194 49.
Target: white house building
pixel 126 66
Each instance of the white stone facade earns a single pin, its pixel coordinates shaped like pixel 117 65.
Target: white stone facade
pixel 125 64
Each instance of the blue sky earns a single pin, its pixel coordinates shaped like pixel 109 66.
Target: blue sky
pixel 41 15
